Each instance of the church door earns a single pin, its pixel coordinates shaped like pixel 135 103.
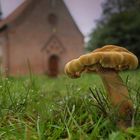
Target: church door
pixel 53 65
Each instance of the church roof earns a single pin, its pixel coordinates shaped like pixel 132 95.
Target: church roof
pixel 19 10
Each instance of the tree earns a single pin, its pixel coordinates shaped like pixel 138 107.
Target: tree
pixel 111 7
pixel 120 28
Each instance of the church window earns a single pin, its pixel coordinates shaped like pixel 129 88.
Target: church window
pixel 52 19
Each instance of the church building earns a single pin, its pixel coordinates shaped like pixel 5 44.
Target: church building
pixel 41 36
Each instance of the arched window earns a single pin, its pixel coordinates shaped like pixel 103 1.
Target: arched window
pixel 52 19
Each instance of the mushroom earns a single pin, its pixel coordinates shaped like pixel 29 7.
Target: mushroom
pixel 107 62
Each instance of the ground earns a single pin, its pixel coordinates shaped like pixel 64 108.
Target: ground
pixel 40 108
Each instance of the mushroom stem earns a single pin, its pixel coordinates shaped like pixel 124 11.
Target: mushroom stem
pixel 118 94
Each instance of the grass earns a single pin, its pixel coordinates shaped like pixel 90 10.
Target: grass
pixel 43 108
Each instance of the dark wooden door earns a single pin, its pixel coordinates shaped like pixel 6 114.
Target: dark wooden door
pixel 53 65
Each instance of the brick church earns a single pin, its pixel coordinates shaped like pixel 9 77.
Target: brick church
pixel 40 34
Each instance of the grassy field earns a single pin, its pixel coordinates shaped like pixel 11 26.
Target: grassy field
pixel 42 108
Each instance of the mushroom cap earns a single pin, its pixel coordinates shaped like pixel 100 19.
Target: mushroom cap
pixel 109 56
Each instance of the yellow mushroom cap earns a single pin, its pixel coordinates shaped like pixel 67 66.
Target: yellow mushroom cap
pixel 109 56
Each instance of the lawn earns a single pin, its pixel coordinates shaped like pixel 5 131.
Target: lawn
pixel 43 108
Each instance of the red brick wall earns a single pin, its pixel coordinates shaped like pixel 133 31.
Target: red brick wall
pixel 31 32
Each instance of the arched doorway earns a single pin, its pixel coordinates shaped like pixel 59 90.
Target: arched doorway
pixel 53 65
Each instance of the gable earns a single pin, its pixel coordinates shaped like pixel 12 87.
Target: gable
pixel 29 5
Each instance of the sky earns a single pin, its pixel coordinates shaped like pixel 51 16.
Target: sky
pixel 7 6
pixel 84 12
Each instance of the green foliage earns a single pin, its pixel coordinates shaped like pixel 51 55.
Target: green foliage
pixel 117 6
pixel 121 28
pixel 40 108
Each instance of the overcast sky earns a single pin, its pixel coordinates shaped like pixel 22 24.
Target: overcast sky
pixel 84 12
pixel 7 6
